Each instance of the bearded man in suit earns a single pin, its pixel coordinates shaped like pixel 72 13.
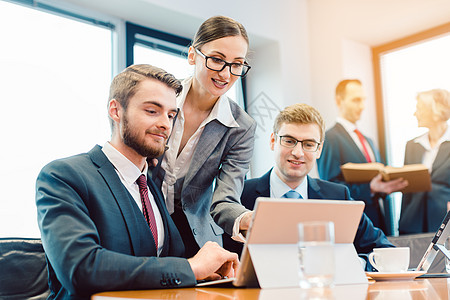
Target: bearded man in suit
pixel 103 221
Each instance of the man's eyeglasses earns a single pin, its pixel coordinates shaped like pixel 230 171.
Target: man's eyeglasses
pixel 217 64
pixel 290 142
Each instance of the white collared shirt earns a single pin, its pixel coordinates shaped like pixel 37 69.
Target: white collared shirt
pixel 278 188
pixel 350 128
pixel 128 174
pixel 431 153
pixel 176 166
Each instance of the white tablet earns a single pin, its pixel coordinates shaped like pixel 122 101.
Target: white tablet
pixel 275 222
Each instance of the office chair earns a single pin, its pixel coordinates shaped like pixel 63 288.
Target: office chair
pixel 23 268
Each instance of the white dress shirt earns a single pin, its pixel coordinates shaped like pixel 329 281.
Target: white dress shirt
pixel 431 153
pixel 278 188
pixel 128 174
pixel 350 128
pixel 176 166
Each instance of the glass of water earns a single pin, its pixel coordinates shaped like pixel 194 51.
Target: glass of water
pixel 316 254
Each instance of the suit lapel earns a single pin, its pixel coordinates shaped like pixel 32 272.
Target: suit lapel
pixel 263 186
pixel 353 148
pixel 120 193
pixel 205 147
pixel 417 154
pixel 375 152
pixel 442 156
pixel 313 189
pixel 163 211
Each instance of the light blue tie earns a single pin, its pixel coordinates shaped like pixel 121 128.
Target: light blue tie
pixel 292 194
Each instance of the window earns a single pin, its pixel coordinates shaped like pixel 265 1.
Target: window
pixel 55 72
pixel 56 63
pixel 166 51
pixel 402 69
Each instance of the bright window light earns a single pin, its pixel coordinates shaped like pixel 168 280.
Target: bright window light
pixel 55 75
pixel 405 73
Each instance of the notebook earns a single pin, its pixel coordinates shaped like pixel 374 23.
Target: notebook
pixel 274 229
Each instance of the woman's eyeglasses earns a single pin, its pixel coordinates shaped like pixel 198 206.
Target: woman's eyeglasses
pixel 217 64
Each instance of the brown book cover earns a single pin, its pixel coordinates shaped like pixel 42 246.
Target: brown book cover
pixel 417 175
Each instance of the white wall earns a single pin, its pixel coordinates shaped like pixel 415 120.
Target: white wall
pixel 342 34
pixel 301 48
pixel 278 39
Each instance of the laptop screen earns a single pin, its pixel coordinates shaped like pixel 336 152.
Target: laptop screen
pixel 436 245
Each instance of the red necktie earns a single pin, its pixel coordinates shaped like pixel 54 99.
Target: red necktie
pixel 147 207
pixel 363 141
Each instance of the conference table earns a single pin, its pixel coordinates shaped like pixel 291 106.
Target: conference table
pixel 432 288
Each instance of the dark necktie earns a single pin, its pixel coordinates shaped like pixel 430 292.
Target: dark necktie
pixel 147 207
pixel 363 141
pixel 293 195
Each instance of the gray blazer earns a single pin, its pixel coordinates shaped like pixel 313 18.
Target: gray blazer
pixel 424 211
pixel 222 159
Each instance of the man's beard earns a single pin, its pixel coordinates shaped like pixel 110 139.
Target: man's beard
pixel 131 139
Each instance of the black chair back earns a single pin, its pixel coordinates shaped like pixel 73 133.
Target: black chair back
pixel 23 269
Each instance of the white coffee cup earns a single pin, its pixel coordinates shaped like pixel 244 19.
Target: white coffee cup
pixel 390 259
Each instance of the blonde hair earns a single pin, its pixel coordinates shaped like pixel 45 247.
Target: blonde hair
pixel 439 104
pixel 300 113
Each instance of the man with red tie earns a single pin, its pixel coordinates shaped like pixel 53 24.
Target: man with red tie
pixel 345 143
pixel 104 224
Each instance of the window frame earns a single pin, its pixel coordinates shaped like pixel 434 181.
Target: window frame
pixel 377 53
pixel 72 13
pixel 380 50
pixel 154 39
pixel 165 42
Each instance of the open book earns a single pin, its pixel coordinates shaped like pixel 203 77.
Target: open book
pixel 417 175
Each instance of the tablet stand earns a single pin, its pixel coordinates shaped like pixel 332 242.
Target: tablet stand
pixel 277 266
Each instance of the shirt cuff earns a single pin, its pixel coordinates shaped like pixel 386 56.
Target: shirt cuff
pixel 237 235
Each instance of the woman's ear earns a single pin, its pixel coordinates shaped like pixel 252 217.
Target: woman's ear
pixel 191 55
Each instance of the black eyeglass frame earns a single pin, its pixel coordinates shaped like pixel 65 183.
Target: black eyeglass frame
pixel 225 64
pixel 298 141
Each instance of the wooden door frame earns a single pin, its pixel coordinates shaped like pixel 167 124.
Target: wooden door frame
pixel 377 51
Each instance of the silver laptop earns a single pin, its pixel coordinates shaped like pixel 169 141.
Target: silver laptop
pixel 275 222
pixel 436 245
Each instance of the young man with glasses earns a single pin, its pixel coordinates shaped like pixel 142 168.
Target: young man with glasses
pixel 297 142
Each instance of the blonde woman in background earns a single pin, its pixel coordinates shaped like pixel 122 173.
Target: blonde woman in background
pixel 424 211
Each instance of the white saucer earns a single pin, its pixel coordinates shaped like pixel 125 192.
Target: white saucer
pixel 383 276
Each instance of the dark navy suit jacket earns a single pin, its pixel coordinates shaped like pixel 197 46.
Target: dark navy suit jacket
pixel 338 149
pixel 367 236
pixel 94 235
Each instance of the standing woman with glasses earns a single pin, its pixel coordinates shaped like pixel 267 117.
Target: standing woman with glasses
pixel 202 172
